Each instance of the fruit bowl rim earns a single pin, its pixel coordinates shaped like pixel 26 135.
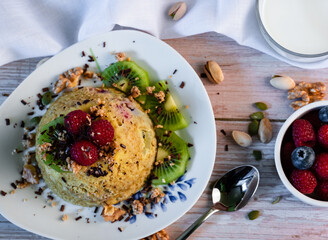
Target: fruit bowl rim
pixel 277 159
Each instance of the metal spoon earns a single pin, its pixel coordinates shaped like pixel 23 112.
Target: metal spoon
pixel 230 193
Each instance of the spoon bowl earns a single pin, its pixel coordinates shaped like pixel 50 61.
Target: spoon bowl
pixel 230 193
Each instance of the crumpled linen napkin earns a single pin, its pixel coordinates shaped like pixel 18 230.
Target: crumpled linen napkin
pixel 32 28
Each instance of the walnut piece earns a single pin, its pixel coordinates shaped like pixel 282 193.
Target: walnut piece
pixel 137 207
pixel 30 174
pixel 135 92
pixel 160 96
pixel 120 56
pixel 111 213
pixel 161 235
pixel 68 79
pixel 307 92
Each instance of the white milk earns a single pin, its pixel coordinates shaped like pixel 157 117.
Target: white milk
pixel 298 25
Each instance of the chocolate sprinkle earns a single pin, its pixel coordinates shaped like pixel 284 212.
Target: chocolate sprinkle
pixel 64 180
pixel 123 146
pixel 45 89
pixel 50 197
pixel 83 54
pixel 226 148
pixel 39 192
pixel 78 218
pixel 120 229
pixel 96 209
pixel 5 94
pixel 91 59
pixel 203 75
pixel 190 145
pixel 3 193
pixel 7 121
pixel 175 71
pixel 182 84
pixel 86 101
pixel 223 132
pixel 23 102
pixel 104 44
pixel 22 124
pixel 62 208
pixel 13 185
pixel 30 113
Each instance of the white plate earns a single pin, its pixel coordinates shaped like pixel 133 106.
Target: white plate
pixel 160 60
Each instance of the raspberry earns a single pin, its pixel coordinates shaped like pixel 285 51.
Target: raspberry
pixel 321 166
pixel 76 120
pixel 313 118
pixel 101 132
pixel 303 180
pixel 322 190
pixel 84 153
pixel 303 133
pixel 323 136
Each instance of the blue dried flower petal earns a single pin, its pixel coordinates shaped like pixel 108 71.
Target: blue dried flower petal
pixel 133 219
pixel 149 215
pixel 182 186
pixel 164 208
pixel 190 182
pixel 171 187
pixel 181 178
pixel 173 198
pixel 167 193
pixel 182 196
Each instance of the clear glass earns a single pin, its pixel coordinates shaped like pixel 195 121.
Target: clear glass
pixel 299 57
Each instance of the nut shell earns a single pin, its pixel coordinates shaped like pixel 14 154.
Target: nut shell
pixel 178 10
pixel 241 138
pixel 282 82
pixel 265 130
pixel 213 72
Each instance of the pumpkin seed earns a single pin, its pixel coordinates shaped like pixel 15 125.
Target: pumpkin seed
pixel 257 154
pixel 46 98
pixel 242 138
pixel 253 215
pixel 261 105
pixel 257 115
pixel 277 200
pixel 265 130
pixel 35 121
pixel 253 128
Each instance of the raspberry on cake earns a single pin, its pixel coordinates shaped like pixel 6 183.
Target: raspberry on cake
pixel 76 120
pixel 101 132
pixel 323 136
pixel 303 133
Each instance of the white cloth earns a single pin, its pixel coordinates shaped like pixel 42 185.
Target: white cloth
pixel 32 28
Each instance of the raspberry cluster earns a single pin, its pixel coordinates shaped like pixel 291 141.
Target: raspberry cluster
pixel 89 136
pixel 304 154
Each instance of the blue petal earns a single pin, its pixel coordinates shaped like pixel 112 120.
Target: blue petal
pixel 182 196
pixel 172 198
pixel 182 186
pixel 190 182
pixel 163 207
pixel 137 195
pixel 167 193
pixel 149 215
pixel 181 178
pixel 133 219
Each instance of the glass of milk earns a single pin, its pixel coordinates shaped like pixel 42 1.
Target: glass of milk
pixel 296 29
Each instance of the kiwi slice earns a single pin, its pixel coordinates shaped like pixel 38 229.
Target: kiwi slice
pixel 124 75
pixel 47 131
pixel 172 157
pixel 165 113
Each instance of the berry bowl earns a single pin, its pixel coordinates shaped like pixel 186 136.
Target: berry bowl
pixel 300 154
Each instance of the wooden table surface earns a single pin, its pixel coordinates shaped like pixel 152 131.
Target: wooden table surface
pixel 247 73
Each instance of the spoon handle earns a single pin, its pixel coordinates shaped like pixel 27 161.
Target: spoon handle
pixel 196 224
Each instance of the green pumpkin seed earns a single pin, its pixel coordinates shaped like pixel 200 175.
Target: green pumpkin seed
pixel 257 155
pixel 257 115
pixel 253 127
pixel 261 105
pixel 253 215
pixel 35 121
pixel 277 200
pixel 46 98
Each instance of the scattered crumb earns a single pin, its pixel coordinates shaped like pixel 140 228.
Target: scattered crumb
pixel 64 218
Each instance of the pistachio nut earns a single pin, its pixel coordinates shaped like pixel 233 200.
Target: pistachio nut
pixel 265 130
pixel 282 82
pixel 178 10
pixel 241 138
pixel 213 72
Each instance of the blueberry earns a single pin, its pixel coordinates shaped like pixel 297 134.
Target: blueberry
pixel 303 157
pixel 323 114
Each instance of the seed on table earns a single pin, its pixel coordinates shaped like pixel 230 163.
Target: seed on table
pixel 253 215
pixel 253 127
pixel 257 116
pixel 46 98
pixel 257 155
pixel 261 105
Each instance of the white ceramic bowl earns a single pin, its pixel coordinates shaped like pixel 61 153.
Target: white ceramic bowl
pixel 297 114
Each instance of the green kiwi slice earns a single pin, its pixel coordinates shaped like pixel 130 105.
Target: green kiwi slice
pixel 47 131
pixel 124 75
pixel 172 157
pixel 165 113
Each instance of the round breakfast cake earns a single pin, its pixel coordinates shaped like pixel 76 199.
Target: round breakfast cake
pixel 121 167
